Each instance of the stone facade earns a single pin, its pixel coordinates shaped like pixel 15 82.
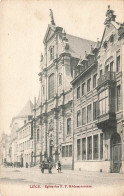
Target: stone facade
pixel 98 103
pixel 57 66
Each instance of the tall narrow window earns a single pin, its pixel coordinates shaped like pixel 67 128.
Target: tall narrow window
pixel 89 148
pixel 83 116
pixel 63 151
pixel 100 73
pixel 103 102
pixel 70 150
pixel 78 149
pixel 95 146
pixel 37 134
pixel 51 86
pixel 94 80
pixel 101 146
pixel 95 112
pixel 111 66
pixel 89 113
pixel 88 85
pixel 118 98
pixel 83 89
pixel 78 92
pixel 107 68
pixel 66 151
pixel 78 119
pixel 51 53
pixel 68 126
pixel 84 149
pixel 118 63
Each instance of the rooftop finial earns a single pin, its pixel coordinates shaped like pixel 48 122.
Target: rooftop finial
pixel 109 16
pixel 108 7
pixel 52 18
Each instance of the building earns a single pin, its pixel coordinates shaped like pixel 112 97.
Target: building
pixel 61 54
pixel 24 117
pixel 98 132
pixel 25 146
pixel 5 149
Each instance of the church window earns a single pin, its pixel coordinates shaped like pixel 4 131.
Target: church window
pixel 105 44
pixel 111 38
pixel 51 53
pixel 51 86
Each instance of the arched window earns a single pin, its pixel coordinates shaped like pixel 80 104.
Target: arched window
pixel 51 53
pixel 51 86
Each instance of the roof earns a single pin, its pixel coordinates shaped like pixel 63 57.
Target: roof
pixel 116 25
pixel 78 46
pixel 27 109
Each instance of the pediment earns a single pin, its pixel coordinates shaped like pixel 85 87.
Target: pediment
pixel 107 32
pixel 49 33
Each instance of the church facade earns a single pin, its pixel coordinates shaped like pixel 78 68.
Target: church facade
pixel 61 55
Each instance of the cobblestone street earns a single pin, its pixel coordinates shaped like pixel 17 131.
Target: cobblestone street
pixel 32 178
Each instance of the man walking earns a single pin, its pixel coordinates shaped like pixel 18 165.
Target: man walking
pixel 59 166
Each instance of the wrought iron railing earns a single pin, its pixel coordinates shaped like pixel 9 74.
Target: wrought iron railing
pixel 108 76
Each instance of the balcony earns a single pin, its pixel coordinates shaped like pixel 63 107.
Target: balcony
pixel 107 77
pixel 106 121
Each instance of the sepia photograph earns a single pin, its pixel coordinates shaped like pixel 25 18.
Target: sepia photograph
pixel 61 97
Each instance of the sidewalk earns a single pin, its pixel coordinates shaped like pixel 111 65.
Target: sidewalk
pixel 71 172
pixel 76 172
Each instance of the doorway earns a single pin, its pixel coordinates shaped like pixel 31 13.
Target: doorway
pixel 116 153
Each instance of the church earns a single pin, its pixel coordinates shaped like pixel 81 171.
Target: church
pixel 61 55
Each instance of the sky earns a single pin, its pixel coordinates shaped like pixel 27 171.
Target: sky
pixel 23 25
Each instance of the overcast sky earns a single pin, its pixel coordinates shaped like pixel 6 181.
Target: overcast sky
pixel 22 28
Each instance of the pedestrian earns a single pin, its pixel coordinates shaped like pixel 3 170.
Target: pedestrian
pixel 59 166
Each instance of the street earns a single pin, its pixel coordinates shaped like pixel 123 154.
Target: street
pixel 32 179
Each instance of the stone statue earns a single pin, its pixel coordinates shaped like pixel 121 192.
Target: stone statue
pixel 52 18
pixel 109 16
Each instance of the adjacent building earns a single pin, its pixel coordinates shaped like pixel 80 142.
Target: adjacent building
pixel 98 103
pixel 5 150
pixel 19 122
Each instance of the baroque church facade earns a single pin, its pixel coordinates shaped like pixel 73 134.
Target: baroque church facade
pixel 61 55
